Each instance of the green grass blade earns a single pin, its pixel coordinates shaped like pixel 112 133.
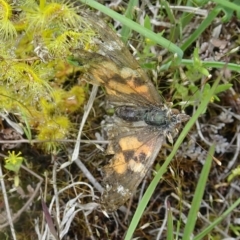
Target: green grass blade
pixel 228 4
pixel 186 18
pixel 169 12
pixel 202 27
pixel 213 64
pixel 126 31
pixel 169 223
pixel 198 195
pixel 217 221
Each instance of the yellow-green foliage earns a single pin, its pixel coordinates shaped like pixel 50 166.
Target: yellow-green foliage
pixel 69 101
pixel 51 129
pixel 7 29
pixel 36 37
pixel 13 161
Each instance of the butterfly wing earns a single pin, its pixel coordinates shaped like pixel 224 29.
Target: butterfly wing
pixel 114 67
pixel 135 149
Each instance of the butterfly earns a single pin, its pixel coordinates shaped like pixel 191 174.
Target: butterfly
pixel 141 121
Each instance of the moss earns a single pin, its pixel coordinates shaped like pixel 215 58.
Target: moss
pixel 35 41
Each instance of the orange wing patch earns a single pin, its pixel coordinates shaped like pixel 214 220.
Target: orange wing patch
pixel 122 81
pixel 123 161
pixel 131 142
pixel 118 164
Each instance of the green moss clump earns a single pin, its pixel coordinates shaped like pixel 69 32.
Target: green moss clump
pixel 35 40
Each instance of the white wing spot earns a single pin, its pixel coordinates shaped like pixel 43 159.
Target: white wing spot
pixel 136 167
pixel 122 190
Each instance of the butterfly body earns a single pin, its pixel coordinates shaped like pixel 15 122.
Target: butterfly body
pixel 154 116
